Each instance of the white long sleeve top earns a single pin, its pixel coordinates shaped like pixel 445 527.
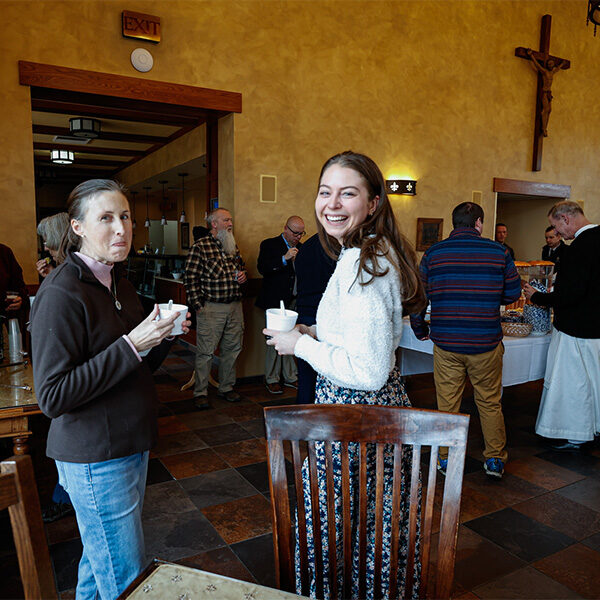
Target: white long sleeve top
pixel 358 327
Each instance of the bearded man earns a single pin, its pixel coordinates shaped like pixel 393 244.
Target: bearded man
pixel 214 271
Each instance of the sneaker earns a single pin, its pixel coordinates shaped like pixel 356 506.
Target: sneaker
pixel 442 465
pixel 230 396
pixel 55 511
pixel 291 384
pixel 494 467
pixel 274 388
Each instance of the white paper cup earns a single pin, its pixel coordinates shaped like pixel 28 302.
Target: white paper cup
pixel 280 322
pixel 165 313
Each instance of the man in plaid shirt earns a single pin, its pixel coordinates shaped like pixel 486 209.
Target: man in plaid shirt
pixel 214 271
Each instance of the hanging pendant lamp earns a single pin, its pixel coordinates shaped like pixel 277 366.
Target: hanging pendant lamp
pixel 147 221
pixel 163 219
pixel 182 217
pixel 133 195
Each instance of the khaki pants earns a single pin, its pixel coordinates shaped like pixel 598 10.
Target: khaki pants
pixel 450 371
pixel 219 325
pixel 276 366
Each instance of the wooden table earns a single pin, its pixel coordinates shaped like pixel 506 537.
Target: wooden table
pixel 16 405
pixel 168 581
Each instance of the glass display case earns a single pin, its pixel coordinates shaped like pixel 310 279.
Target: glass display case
pixel 541 272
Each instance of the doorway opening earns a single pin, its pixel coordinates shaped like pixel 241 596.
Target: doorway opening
pixel 523 207
pixel 137 122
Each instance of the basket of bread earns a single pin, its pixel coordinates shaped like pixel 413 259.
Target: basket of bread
pixel 513 325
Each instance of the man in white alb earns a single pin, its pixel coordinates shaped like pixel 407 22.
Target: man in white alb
pixel 570 406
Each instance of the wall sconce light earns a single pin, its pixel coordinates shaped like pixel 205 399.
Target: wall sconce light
pixel 405 187
pixel 62 157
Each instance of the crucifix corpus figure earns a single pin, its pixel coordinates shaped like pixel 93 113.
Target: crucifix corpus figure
pixel 547 72
pixel 546 67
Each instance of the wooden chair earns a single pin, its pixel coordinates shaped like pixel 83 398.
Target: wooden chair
pixel 18 493
pixel 402 427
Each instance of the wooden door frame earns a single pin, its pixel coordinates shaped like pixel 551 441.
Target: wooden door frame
pixel 215 103
pixel 531 188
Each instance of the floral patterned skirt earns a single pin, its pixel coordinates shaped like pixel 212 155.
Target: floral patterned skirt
pixel 391 394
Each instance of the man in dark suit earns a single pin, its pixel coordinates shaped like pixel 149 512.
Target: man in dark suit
pixel 500 237
pixel 276 265
pixel 554 248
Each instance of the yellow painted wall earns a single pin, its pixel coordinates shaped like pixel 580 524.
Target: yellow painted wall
pixel 429 89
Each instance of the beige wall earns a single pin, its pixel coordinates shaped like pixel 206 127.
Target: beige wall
pixel 431 90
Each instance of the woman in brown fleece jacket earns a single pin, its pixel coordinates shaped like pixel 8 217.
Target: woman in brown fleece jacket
pixel 89 334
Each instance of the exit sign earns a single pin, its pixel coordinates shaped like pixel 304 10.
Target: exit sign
pixel 140 26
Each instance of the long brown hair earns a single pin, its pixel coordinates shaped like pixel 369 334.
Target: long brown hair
pixel 377 235
pixel 78 205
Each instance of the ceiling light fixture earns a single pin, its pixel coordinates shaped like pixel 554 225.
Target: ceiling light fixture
pixel 62 157
pixel 182 217
pixel 133 195
pixel 147 221
pixel 163 219
pixel 84 128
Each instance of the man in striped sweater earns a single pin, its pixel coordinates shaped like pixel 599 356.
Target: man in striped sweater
pixel 467 278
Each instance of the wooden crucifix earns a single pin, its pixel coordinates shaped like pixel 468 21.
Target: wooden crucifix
pixel 546 66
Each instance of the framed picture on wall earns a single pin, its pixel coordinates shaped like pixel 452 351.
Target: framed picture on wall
pixel 429 231
pixel 184 228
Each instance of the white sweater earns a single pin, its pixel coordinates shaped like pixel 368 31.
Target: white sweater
pixel 358 329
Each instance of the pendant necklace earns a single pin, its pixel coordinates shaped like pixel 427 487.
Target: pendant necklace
pixel 114 295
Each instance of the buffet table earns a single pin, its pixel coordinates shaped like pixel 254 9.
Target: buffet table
pixel 17 404
pixel 524 358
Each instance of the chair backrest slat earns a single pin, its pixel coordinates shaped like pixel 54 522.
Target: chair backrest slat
pixel 427 517
pixel 378 559
pixel 374 453
pixel 398 491
pixel 18 492
pixel 449 521
pixel 347 520
pixel 331 524
pixel 278 487
pixel 297 468
pixel 316 517
pixel 362 521
pixel 415 501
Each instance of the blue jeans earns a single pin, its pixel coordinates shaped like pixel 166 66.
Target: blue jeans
pixel 108 497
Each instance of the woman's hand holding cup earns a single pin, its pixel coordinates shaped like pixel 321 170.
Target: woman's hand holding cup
pixel 150 332
pixel 284 341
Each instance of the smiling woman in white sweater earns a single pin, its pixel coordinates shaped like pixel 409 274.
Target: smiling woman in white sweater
pixel 352 346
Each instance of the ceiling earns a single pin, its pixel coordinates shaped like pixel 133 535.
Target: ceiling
pixel 130 130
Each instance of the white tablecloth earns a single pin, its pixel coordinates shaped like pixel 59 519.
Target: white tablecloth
pixel 524 358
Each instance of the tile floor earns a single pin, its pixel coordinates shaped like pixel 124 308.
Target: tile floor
pixel 535 534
